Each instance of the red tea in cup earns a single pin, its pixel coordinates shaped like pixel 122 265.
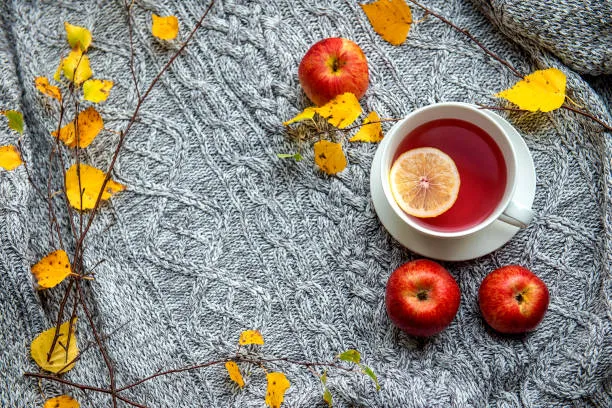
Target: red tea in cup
pixel 481 167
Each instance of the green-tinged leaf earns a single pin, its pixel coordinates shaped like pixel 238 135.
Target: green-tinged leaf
pixel 295 156
pixel 15 120
pixel 352 356
pixel 368 371
pixel 327 397
pixel 324 378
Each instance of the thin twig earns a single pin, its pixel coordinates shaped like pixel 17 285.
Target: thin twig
pixel 60 317
pixel 588 115
pixel 471 37
pixel 66 382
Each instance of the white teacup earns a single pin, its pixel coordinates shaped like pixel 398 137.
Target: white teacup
pixel 507 209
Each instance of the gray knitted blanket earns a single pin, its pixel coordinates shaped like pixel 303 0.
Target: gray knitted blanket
pixel 216 235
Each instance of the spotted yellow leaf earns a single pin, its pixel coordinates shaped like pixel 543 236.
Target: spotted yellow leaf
pixel 64 352
pixel 329 156
pixel 340 111
pixel 96 90
pixel 63 401
pixel 234 373
pixel 391 19
pixel 89 124
pixel 370 131
pixel 277 385
pixel 43 85
pixel 92 180
pixel 10 158
pixel 78 37
pixel 165 28
pixel 76 67
pixel 250 337
pixel 52 269
pixel 542 90
pixel 15 120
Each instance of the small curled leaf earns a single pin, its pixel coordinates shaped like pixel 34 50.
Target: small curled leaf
pixel 250 337
pixel 368 371
pixel 15 120
pixel 351 356
pixel 234 372
pixel 10 158
pixel 63 401
pixel 327 397
pixel 295 156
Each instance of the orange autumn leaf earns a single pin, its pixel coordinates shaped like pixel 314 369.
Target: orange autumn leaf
pixel 234 373
pixel 165 28
pixel 341 111
pixel 96 90
pixel 10 158
pixel 250 337
pixel 63 401
pixel 91 183
pixel 78 37
pixel 89 123
pixel 391 19
pixel 42 84
pixel 542 90
pixel 370 131
pixel 277 385
pixel 76 67
pixel 64 352
pixel 329 156
pixel 52 269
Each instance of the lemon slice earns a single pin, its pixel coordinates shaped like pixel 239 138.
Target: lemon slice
pixel 424 182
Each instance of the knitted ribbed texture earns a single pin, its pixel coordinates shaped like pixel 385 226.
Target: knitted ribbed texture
pixel 216 235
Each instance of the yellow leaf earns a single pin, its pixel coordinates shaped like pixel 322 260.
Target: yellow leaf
pixel 391 19
pixel 91 184
pixel 165 28
pixel 369 132
pixel 234 373
pixel 78 37
pixel 250 337
pixel 340 111
pixel 89 123
pixel 96 90
pixel 42 84
pixel 10 158
pixel 542 90
pixel 329 156
pixel 76 67
pixel 64 352
pixel 52 269
pixel 277 385
pixel 63 401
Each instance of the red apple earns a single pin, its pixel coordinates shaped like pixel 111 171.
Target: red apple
pixel 422 298
pixel 332 67
pixel 512 299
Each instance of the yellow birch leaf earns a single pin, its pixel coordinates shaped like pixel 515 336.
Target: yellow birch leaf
pixel 52 269
pixel 96 90
pixel 91 184
pixel 76 67
pixel 234 373
pixel 165 28
pixel 542 90
pixel 250 337
pixel 89 123
pixel 391 19
pixel 42 84
pixel 329 156
pixel 277 385
pixel 10 158
pixel 64 352
pixel 369 132
pixel 341 111
pixel 63 401
pixel 78 37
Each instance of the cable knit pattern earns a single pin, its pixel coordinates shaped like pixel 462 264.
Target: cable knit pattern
pixel 216 235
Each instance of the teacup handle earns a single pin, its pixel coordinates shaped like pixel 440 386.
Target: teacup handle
pixel 517 214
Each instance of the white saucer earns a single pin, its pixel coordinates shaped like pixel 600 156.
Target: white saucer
pixel 472 246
